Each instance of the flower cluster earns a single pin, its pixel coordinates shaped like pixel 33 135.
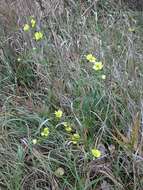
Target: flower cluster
pixel 97 65
pixel 90 58
pixel 38 35
pixel 75 138
pixel 45 132
pixel 67 127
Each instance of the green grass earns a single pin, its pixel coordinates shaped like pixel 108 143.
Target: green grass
pixel 106 113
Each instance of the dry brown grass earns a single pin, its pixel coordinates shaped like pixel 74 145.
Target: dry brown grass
pixel 107 113
pixel 17 11
pixel 14 14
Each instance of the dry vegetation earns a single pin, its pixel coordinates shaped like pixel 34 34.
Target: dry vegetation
pixel 39 77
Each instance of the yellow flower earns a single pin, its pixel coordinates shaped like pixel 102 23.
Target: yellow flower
pixel 74 142
pixel 38 36
pixel 68 129
pixel 75 138
pixel 34 141
pixel 58 114
pixel 103 77
pixel 131 29
pixel 33 23
pixel 67 126
pixel 97 66
pixel 90 58
pixel 95 152
pixel 26 27
pixel 45 132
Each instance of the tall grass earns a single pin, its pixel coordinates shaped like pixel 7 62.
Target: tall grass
pixel 39 77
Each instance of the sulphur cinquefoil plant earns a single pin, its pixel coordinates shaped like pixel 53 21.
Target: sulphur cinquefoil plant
pixel 71 95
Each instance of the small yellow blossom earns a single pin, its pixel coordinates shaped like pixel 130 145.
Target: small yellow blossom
pixel 67 126
pixel 33 23
pixel 45 132
pixel 74 142
pixel 75 138
pixel 38 36
pixel 131 29
pixel 26 27
pixel 103 77
pixel 97 66
pixel 58 114
pixel 34 141
pixel 95 153
pixel 90 58
pixel 68 129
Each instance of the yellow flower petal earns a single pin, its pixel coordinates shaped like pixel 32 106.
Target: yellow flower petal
pixel 74 142
pixel 46 129
pixel 58 114
pixel 75 138
pixel 68 129
pixel 96 153
pixel 33 23
pixel 45 132
pixel 65 124
pixel 38 36
pixel 26 27
pixel 90 58
pixel 97 66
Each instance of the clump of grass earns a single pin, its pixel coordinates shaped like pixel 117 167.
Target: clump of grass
pixel 71 105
